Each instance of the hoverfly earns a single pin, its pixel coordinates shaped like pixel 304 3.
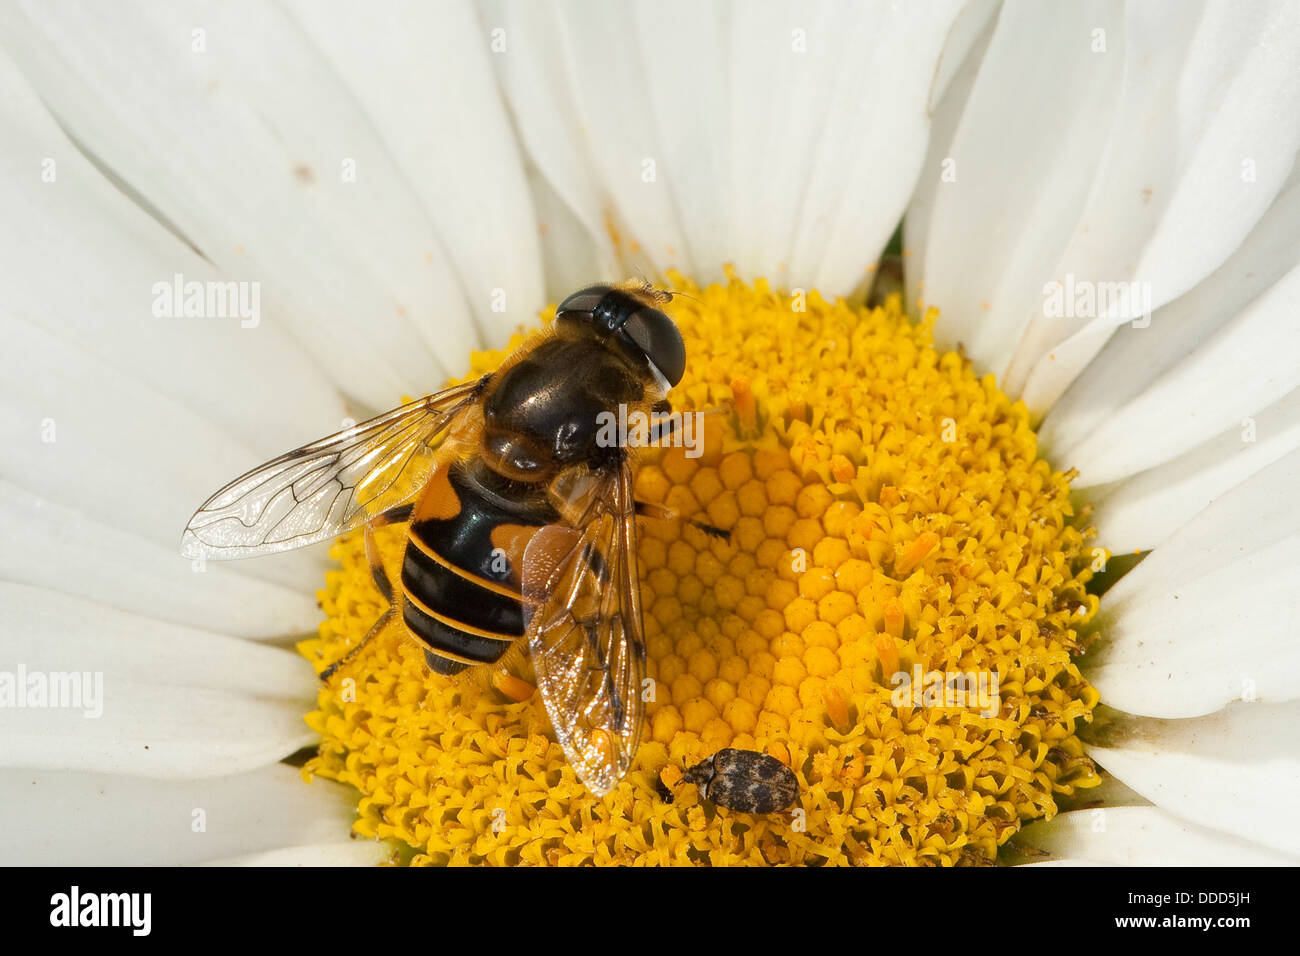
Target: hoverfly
pixel 521 522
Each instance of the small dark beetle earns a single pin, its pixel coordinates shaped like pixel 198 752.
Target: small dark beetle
pixel 742 780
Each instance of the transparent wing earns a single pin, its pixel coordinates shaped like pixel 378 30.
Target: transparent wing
pixel 584 633
pixel 330 486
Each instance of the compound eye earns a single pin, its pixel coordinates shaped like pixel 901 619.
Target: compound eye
pixel 584 300
pixel 658 337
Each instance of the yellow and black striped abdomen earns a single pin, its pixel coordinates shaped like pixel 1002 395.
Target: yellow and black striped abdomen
pixel 460 572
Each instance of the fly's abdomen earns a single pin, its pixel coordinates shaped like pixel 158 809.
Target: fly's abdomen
pixel 461 570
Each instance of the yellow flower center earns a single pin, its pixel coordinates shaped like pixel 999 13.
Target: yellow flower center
pixel 893 617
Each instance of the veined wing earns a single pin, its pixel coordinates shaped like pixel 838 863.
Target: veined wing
pixel 584 633
pixel 331 486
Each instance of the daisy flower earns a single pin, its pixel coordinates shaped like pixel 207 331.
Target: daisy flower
pixel 1055 447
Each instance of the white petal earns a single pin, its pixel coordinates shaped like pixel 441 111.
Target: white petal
pixel 968 37
pixel 86 819
pixel 572 258
pixel 753 137
pixel 851 202
pixel 88 436
pixel 442 119
pixel 353 853
pixel 541 96
pixel 601 103
pixel 66 550
pixel 1143 836
pixel 1236 771
pixel 1135 156
pixel 1210 616
pixel 958 68
pixel 1142 511
pixel 1221 352
pixel 1032 116
pixel 152 699
pixel 245 145
pixel 1112 792
pixel 81 261
pixel 1205 90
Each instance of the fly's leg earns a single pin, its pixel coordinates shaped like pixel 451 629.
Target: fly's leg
pixel 399 515
pixel 666 423
pixel 385 619
pixel 662 428
pixel 509 678
pixel 660 432
pixel 647 509
pixel 510 675
pixel 377 571
pixel 375 559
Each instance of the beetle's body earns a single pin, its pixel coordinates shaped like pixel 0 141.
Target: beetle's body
pixel 745 781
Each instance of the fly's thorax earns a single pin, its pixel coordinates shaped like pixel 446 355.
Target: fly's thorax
pixel 543 414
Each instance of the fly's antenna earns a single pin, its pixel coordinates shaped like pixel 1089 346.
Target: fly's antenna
pixel 659 294
pixel 648 289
